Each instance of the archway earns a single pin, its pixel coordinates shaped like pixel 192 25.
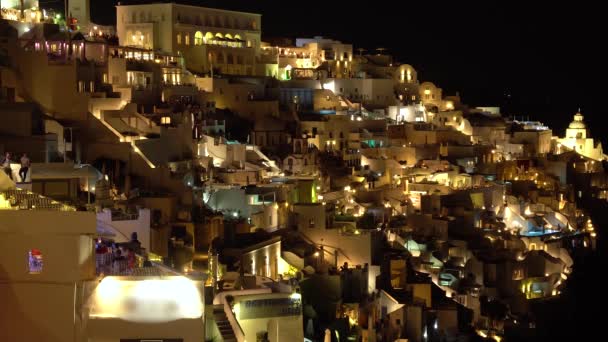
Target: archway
pixel 198 38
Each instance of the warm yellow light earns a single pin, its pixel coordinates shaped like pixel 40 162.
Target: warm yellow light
pixel 147 300
pixel 427 92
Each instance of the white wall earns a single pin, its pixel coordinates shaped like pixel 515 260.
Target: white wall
pixel 280 328
pixel 41 307
pixel 113 330
pixel 125 228
pixel 37 311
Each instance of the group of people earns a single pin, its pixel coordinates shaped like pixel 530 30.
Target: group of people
pixel 115 259
pixel 118 258
pixel 25 166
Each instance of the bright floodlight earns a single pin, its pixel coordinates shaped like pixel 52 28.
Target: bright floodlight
pixel 149 300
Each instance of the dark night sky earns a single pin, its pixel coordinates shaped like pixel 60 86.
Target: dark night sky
pixel 547 57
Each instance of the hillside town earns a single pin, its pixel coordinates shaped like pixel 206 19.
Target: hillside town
pixel 180 177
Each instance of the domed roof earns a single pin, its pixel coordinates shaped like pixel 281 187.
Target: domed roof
pixel 578 122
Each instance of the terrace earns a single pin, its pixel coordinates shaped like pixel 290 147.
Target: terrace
pixel 17 199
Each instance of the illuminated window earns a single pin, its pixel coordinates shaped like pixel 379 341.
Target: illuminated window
pixel 198 38
pixel 187 39
pixel 179 38
pixel 518 274
pixel 35 263
pixel 165 120
pixel 311 223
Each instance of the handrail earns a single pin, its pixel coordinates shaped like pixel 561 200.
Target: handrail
pixel 234 323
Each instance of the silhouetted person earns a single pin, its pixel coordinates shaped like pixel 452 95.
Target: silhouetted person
pixel 25 166
pixel 147 262
pixel 135 244
pixel 6 165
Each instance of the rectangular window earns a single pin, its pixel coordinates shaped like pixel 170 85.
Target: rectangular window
pixel 311 223
pixel 179 39
pixel 187 39
pixel 518 274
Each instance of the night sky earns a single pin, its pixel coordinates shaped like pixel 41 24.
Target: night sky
pixel 537 61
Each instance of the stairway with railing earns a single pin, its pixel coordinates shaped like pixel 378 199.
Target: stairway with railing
pixel 223 324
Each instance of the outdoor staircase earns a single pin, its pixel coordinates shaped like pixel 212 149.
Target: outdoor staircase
pixel 223 325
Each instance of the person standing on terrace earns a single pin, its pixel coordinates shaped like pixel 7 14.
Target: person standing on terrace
pixel 6 165
pixel 25 166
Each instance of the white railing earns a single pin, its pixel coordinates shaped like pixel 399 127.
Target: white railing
pixel 239 334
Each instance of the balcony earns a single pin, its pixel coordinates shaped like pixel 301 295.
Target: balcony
pixel 17 199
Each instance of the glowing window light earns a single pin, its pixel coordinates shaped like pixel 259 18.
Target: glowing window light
pixel 149 300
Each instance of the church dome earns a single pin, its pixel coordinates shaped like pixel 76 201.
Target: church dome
pixel 578 122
